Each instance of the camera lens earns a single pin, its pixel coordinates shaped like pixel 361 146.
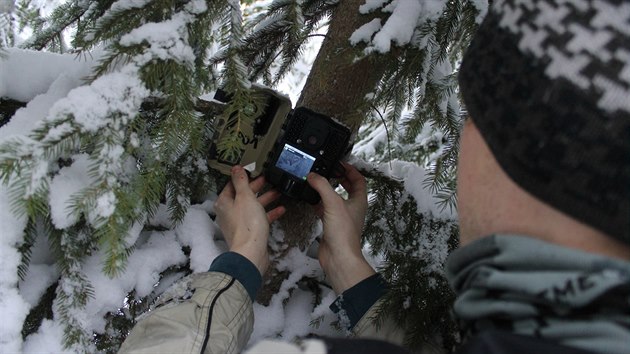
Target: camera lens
pixel 312 140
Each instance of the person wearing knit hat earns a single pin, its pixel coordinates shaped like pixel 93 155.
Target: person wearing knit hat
pixel 544 170
pixel 543 204
pixel 547 83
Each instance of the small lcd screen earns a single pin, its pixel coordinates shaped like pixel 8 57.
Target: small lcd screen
pixel 295 161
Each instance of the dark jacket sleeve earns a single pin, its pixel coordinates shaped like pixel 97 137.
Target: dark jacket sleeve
pixel 353 303
pixel 358 307
pixel 239 268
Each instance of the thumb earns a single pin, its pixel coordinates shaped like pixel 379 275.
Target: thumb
pixel 240 180
pixel 325 190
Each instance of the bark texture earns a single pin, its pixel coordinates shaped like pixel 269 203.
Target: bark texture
pixel 339 80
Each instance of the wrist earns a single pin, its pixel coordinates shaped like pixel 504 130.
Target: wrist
pixel 260 260
pixel 241 269
pixel 346 272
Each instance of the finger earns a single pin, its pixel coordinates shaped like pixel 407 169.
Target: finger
pixel 325 190
pixel 269 197
pixel 257 184
pixel 240 180
pixel 354 182
pixel 354 179
pixel 227 192
pixel 276 213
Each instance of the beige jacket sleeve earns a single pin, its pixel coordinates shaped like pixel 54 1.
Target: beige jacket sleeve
pixel 218 318
pixel 385 329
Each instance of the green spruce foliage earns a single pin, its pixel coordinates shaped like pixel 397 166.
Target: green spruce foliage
pixel 415 245
pixel 417 109
pixel 142 137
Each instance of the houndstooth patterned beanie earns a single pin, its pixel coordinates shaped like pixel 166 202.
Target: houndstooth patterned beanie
pixel 547 83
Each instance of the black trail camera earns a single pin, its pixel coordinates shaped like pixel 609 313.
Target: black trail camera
pixel 284 144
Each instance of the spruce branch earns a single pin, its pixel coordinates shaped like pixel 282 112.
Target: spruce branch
pixel 74 289
pixel 280 32
pixel 414 246
pixel 419 94
pixel 62 18
pixel 7 31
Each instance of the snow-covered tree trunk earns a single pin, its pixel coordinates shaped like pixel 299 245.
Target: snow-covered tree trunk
pixel 341 75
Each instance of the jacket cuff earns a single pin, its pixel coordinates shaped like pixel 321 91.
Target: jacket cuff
pixel 239 268
pixel 353 303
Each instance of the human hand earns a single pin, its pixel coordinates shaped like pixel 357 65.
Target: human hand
pixel 340 248
pixel 243 219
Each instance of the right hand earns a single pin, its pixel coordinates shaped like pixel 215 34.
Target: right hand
pixel 340 248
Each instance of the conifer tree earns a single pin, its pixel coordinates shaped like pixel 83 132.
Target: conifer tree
pixel 138 132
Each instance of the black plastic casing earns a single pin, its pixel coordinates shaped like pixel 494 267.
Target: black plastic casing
pixel 316 135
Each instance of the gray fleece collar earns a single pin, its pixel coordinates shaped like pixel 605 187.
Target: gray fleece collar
pixel 530 287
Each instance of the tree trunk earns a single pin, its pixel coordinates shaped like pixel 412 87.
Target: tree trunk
pixel 336 86
pixel 339 81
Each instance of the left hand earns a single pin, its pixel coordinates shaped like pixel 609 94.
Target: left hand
pixel 242 217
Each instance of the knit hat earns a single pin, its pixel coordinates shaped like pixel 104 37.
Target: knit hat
pixel 547 83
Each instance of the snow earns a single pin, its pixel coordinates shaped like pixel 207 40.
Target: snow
pixel 367 146
pixel 371 5
pixel 6 6
pixel 274 316
pixel 197 7
pixel 36 281
pixel 122 5
pixel 133 233
pixel 167 40
pixel 119 93
pixel 365 32
pixel 298 308
pixel 46 340
pixel 25 74
pixel 309 346
pixel 400 27
pixel 197 231
pixel 432 245
pixel 413 177
pixel 439 74
pixel 106 204
pixel 42 272
pixel 13 307
pixel 64 187
pixel 482 7
pixel 291 313
pixel 156 254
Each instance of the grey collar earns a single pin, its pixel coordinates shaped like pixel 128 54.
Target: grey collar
pixel 531 287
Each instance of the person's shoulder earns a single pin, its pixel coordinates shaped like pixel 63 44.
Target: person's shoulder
pixel 500 342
